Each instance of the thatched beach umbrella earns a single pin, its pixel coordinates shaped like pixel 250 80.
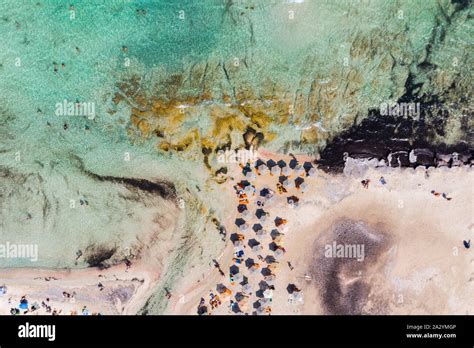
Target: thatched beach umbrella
pixel 254 268
pixel 268 293
pixel 270 259
pixel 279 252
pixel 238 243
pixel 275 234
pixel 285 171
pixel 304 187
pixel 246 213
pixel 293 163
pixel 241 208
pixel 244 227
pixel 279 221
pixel 259 213
pixel 270 279
pixel 271 163
pixel 238 277
pixel 239 222
pixel 261 234
pixel 288 183
pixel 247 288
pixel 249 190
pixel 298 181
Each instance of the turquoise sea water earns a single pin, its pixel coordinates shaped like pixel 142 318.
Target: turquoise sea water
pixel 283 48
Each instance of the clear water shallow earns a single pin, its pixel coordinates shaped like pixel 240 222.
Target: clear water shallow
pixel 280 52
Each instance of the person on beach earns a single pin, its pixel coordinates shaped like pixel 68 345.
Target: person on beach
pixel 289 265
pixel 168 293
pixel 467 243
pixel 446 197
pixel 365 183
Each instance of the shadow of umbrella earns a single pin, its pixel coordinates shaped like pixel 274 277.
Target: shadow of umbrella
pixel 298 181
pixel 244 183
pixel 291 288
pixel 270 279
pixel 279 252
pixel 260 212
pixel 270 259
pixel 292 199
pixel 262 285
pixel 273 246
pixel 249 262
pixel 271 163
pixel 293 163
pixel 246 169
pixel 275 233
pixel 253 242
pixel 247 288
pixel 234 269
pixel 262 169
pixel 241 208
pixel 307 165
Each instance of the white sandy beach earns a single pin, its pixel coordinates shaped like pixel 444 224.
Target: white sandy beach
pixel 424 268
